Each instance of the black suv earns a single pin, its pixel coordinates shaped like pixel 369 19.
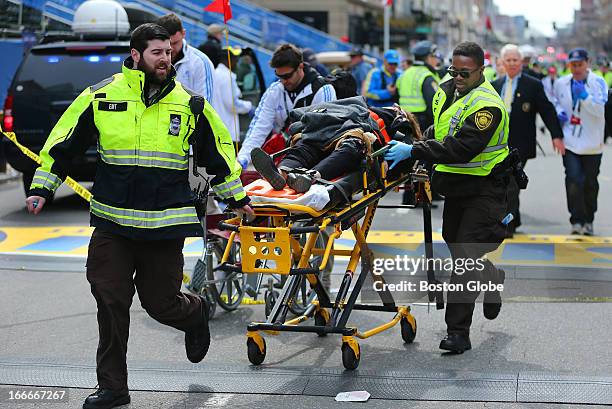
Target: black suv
pixel 49 78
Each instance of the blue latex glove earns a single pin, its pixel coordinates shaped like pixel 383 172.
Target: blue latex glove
pixel 243 163
pixel 563 118
pixel 399 151
pixel 578 90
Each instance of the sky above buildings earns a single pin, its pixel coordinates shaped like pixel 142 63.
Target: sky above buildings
pixel 541 13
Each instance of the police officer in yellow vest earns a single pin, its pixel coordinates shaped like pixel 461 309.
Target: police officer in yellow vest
pixel 471 133
pixel 417 85
pixel 142 207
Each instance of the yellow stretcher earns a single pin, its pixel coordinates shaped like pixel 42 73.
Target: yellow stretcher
pixel 277 249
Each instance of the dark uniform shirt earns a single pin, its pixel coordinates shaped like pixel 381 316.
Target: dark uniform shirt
pixel 429 88
pixel 212 48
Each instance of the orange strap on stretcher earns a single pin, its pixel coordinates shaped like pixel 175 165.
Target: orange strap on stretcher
pixel 381 126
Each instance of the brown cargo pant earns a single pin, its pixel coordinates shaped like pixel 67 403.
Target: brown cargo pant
pixel 111 263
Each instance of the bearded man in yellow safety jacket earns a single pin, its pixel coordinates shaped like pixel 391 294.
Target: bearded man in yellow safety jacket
pixel 142 206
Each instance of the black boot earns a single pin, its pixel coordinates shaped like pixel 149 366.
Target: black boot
pixel 197 339
pixel 300 182
pixel 456 343
pixel 264 164
pixel 106 399
pixel 492 300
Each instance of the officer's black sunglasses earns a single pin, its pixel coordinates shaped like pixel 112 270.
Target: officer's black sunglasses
pixel 463 73
pixel 286 76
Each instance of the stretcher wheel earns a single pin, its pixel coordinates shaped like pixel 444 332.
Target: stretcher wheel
pixel 302 298
pixel 270 299
pixel 320 321
pixel 350 359
pixel 305 295
pixel 211 303
pixel 227 293
pixel 408 331
pixel 256 357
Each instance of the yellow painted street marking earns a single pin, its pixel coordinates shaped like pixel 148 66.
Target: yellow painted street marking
pixel 72 241
pixel 67 241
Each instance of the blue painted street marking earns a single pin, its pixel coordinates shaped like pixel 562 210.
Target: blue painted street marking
pixel 531 252
pixel 604 250
pixel 63 243
pixel 194 247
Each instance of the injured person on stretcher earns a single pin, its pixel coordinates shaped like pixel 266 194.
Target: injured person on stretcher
pixel 331 140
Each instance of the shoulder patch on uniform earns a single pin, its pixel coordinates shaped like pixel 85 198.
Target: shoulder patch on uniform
pixel 101 84
pixel 483 119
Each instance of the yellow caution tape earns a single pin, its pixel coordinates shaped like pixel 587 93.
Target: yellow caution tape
pixel 73 184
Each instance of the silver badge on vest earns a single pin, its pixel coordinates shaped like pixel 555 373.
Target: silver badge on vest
pixel 175 125
pixel 526 107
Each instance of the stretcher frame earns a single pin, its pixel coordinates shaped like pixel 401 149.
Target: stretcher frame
pixel 334 321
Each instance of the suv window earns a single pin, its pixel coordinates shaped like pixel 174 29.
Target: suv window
pixel 69 71
pixel 48 80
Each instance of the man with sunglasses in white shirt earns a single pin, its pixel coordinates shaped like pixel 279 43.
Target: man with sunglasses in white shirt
pixel 299 85
pixel 468 145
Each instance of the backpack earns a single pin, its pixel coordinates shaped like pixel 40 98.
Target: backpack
pixel 343 82
pixel 383 78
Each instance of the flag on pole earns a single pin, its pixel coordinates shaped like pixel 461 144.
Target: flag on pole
pixel 386 3
pixel 221 7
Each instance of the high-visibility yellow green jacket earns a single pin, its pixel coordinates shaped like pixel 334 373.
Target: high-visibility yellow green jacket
pixel 416 88
pixel 141 189
pixel 490 73
pixel 469 137
pixel 449 119
pixel 607 76
pixel 410 87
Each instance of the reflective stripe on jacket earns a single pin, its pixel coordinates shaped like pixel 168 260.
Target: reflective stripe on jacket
pixel 448 123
